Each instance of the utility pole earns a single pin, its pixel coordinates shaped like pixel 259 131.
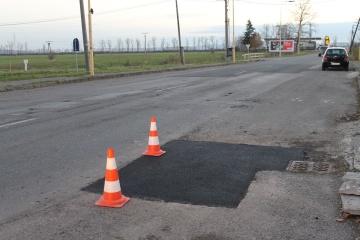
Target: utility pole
pixel 178 23
pixel 90 38
pixel 233 44
pixel 352 40
pixel 145 33
pixel 226 31
pixel 85 40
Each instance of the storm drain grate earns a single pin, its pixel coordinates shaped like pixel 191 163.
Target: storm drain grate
pixel 298 166
pixel 322 167
pixel 305 166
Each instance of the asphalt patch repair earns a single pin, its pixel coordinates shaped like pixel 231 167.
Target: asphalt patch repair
pixel 199 173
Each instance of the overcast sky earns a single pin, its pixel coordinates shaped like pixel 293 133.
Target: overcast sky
pixel 36 22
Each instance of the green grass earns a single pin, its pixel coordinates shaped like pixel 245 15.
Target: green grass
pixel 39 66
pixel 64 65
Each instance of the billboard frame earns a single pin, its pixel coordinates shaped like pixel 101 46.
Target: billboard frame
pixel 287 46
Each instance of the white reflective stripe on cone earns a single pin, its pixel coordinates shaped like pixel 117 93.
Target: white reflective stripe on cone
pixel 112 187
pixel 111 164
pixel 153 126
pixel 154 141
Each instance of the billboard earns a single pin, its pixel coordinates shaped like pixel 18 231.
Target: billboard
pixel 286 46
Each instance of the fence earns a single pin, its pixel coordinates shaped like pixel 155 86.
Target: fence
pixel 253 57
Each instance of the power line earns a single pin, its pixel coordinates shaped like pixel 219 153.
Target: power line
pixel 269 3
pixel 37 21
pixel 74 17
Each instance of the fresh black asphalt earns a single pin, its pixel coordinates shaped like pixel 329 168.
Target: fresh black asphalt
pixel 199 173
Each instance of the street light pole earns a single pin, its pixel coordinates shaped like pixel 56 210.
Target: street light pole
pixel 280 30
pixel 145 33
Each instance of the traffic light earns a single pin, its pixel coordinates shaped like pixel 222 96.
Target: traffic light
pixel 327 40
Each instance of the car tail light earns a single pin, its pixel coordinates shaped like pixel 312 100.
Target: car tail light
pixel 346 58
pixel 325 58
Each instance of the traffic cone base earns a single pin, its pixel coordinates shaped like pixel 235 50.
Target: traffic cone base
pixel 152 153
pixel 113 203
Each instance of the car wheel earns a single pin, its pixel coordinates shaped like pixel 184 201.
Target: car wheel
pixel 346 68
pixel 323 68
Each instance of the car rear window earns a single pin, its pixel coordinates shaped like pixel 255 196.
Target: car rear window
pixel 335 52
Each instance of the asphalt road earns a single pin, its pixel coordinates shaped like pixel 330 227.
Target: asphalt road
pixel 54 140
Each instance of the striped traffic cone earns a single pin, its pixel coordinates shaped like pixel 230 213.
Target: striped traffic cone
pixel 112 196
pixel 154 145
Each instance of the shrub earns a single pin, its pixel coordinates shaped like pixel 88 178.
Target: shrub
pixel 51 56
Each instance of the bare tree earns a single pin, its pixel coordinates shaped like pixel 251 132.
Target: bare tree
pixel 20 47
pixel 303 15
pixel 205 42
pixel 199 43
pixel 163 44
pixel 194 43
pixel 138 44
pixel 212 42
pixel 14 44
pixel 10 47
pixel 334 41
pixel 109 43
pixel 102 45
pixel 127 42
pixel 174 42
pixel 132 44
pixel 265 33
pixel 290 31
pixel 119 44
pixel 153 42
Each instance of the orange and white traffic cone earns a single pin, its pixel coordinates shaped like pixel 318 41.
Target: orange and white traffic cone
pixel 112 196
pixel 154 145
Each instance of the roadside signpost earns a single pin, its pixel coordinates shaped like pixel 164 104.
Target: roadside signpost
pixel 76 49
pixel 26 63
pixel 248 48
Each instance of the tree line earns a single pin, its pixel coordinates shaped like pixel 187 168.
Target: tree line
pixel 303 16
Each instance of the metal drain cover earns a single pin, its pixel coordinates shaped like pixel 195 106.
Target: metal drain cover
pixel 305 166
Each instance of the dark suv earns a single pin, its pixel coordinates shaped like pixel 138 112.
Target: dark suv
pixel 335 57
pixel 322 50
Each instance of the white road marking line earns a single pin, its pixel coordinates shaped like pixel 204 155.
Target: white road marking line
pixel 238 73
pixel 14 123
pixel 318 66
